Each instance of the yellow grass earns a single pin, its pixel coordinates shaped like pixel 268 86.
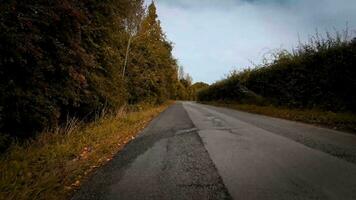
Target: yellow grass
pixel 340 121
pixel 53 165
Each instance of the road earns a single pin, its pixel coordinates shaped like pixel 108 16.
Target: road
pixel 194 151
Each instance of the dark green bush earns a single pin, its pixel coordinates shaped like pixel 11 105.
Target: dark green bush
pixel 318 75
pixel 229 89
pixel 65 58
pixel 311 78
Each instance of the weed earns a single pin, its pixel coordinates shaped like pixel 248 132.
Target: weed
pixel 54 164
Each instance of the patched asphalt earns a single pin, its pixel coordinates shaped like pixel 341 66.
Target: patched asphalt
pixel 167 161
pixel 194 151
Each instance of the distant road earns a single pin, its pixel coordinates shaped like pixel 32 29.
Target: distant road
pixel 194 151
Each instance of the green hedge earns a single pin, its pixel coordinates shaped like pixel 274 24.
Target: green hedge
pixel 318 75
pixel 323 79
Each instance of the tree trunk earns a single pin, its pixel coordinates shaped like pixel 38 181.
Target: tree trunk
pixel 126 56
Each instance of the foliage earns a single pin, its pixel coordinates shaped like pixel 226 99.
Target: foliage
pixel 229 89
pixel 152 74
pixel 185 91
pixel 64 58
pixel 339 121
pixel 197 87
pixel 200 86
pixel 53 165
pixel 318 75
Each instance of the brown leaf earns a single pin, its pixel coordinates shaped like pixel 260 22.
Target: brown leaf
pixel 76 184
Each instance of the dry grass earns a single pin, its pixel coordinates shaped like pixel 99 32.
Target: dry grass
pixel 54 165
pixel 339 121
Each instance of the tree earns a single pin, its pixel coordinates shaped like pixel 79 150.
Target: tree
pixel 152 72
pixel 60 59
pixel 181 73
pixel 132 24
pixel 67 58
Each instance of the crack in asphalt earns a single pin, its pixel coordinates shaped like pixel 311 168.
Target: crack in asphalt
pixel 192 151
pixel 166 161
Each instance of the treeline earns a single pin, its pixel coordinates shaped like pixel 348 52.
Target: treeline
pixel 187 90
pixel 317 75
pixel 61 59
pixel 229 89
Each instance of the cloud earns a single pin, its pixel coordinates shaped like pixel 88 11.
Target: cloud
pixel 213 36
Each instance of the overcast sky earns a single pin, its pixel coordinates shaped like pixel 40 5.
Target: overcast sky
pixel 212 37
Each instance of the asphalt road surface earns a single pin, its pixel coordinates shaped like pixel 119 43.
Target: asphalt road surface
pixel 194 151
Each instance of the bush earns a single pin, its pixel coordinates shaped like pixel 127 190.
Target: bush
pixel 229 89
pixel 318 75
pixel 64 58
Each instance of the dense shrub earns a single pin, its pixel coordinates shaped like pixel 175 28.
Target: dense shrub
pixel 229 89
pixel 65 58
pixel 318 75
pixel 44 69
pixel 197 87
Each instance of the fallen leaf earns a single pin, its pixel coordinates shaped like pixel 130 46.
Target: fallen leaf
pixel 76 184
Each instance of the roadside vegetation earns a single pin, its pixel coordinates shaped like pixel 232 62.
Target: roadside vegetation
pixel 78 80
pixel 54 164
pixel 338 121
pixel 66 59
pixel 314 83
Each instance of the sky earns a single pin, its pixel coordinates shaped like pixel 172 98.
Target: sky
pixel 213 37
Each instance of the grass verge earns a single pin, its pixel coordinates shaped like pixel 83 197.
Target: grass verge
pixel 338 121
pixel 53 165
